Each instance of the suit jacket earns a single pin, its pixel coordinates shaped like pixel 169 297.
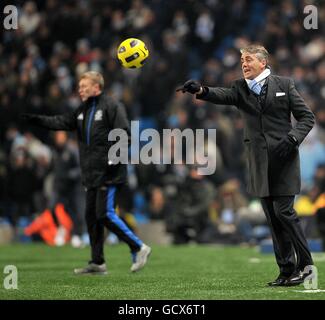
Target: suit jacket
pixel 263 129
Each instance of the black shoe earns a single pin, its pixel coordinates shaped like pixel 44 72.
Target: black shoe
pixel 295 280
pixel 298 278
pixel 279 281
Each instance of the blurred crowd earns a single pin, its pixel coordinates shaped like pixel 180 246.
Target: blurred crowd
pixel 58 40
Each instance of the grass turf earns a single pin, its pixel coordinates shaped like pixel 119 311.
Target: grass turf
pixel 182 272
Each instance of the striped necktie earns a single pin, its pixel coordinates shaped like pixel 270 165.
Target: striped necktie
pixel 255 87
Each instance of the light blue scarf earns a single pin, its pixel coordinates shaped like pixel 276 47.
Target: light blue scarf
pixel 256 84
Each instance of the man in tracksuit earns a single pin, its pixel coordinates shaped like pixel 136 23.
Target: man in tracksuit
pixel 93 120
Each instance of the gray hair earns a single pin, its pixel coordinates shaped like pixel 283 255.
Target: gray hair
pixel 260 52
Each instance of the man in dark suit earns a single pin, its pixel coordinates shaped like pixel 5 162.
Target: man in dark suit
pixel 266 103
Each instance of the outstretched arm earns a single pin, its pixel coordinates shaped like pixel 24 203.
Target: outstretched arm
pixel 217 95
pixel 65 121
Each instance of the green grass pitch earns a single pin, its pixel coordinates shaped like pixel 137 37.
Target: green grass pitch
pixel 173 272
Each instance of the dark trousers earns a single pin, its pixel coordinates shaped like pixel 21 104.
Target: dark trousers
pixel 289 242
pixel 100 213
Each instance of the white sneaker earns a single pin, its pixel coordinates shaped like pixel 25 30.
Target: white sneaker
pixel 92 268
pixel 141 258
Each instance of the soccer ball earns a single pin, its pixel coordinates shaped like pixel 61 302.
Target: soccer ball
pixel 132 53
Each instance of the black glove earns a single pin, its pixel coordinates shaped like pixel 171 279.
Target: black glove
pixel 191 86
pixel 285 146
pixel 28 117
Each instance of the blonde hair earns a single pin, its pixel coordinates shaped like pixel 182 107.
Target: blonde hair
pixel 260 51
pixel 95 76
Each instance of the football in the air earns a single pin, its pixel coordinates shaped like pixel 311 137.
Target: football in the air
pixel 132 53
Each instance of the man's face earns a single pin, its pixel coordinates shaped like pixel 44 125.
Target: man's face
pixel 88 88
pixel 251 65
